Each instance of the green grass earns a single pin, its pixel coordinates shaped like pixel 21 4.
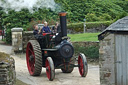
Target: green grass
pixel 84 37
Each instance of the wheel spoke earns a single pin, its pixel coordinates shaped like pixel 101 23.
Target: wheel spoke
pixel 31 60
pixel 81 65
pixel 31 51
pixel 48 69
pixel 33 63
pixel 32 68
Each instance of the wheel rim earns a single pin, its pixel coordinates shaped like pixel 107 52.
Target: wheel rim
pixel 81 65
pixel 48 69
pixel 30 57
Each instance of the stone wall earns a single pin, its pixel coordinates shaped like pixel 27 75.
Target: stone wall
pixel 106 58
pixel 27 35
pixel 7 70
pixel 96 29
pixel 86 44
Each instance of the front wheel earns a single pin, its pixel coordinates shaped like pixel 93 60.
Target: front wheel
pixel 82 65
pixel 50 71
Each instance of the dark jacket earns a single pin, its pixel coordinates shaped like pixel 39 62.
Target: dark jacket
pixel 45 29
pixel 56 30
pixel 35 32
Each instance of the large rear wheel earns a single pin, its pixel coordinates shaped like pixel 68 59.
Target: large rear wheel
pixel 50 71
pixel 82 65
pixel 34 58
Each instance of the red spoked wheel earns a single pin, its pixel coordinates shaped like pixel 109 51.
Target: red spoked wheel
pixel 34 58
pixel 50 71
pixel 82 65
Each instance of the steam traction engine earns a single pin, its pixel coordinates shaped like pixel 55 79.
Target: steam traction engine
pixel 53 51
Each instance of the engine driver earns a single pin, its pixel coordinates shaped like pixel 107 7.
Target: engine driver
pixel 39 37
pixel 36 31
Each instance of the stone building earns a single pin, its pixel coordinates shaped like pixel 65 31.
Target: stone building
pixel 114 53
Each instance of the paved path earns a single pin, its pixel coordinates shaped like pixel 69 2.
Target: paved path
pixel 4 47
pixel 60 78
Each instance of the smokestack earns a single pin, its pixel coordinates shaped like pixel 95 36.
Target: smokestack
pixel 63 23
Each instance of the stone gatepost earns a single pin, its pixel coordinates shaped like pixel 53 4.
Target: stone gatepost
pixel 17 39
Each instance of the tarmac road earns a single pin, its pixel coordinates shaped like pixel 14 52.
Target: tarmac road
pixel 73 78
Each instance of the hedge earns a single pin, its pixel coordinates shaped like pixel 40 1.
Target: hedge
pixel 78 27
pixel 91 52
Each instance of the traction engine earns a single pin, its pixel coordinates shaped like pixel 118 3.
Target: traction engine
pixel 54 51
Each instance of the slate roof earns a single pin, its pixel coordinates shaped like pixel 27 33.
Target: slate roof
pixel 120 25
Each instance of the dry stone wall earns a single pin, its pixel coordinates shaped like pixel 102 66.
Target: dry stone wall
pixel 7 70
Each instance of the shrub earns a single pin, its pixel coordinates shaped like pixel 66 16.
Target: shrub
pixel 91 17
pixel 121 16
pixel 8 36
pixel 91 52
pixel 106 17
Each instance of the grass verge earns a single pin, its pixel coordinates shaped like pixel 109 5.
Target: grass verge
pixel 84 37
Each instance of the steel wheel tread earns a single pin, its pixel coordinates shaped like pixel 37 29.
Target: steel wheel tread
pixel 37 57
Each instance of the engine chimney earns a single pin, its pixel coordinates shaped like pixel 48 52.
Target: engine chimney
pixel 63 23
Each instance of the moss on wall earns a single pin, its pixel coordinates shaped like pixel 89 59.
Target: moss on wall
pixel 4 57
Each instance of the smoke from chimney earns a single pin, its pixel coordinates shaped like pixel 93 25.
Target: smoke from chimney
pixel 17 5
